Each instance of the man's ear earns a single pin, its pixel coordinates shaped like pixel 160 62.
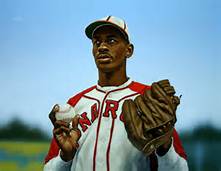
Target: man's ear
pixel 130 50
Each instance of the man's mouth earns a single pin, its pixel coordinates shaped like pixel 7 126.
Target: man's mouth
pixel 104 58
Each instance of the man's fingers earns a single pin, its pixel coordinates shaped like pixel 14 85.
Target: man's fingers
pixel 60 123
pixel 159 94
pixel 56 108
pixel 75 134
pixel 164 89
pixel 75 121
pixel 164 83
pixel 159 108
pixel 53 112
pixel 144 109
pixel 176 100
pixel 169 90
pixel 133 122
pixel 61 130
pixel 156 104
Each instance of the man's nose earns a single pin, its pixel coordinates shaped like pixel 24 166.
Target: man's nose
pixel 103 47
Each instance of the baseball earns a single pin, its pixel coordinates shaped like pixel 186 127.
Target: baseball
pixel 65 113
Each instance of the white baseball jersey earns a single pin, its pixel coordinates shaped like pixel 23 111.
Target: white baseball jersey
pixel 104 145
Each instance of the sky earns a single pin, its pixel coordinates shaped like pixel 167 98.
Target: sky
pixel 45 57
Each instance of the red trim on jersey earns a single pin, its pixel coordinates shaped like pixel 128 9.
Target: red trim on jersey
pixel 97 132
pixel 84 121
pixel 99 122
pixel 112 107
pixel 73 100
pixel 138 87
pixel 178 145
pixel 134 86
pixel 53 151
pixel 100 90
pixel 153 162
pixel 109 144
pixel 54 148
pixel 92 98
pixel 127 97
pixel 98 102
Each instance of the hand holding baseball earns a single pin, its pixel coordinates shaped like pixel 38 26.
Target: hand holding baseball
pixel 66 130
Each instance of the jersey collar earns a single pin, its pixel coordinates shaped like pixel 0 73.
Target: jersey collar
pixel 111 88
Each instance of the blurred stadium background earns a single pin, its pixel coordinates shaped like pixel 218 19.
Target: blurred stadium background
pixel 23 148
pixel 45 57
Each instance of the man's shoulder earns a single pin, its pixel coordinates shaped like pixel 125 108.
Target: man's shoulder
pixel 74 99
pixel 138 87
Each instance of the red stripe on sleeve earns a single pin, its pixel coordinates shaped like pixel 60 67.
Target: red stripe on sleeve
pixel 178 145
pixel 73 100
pixel 53 150
pixel 138 87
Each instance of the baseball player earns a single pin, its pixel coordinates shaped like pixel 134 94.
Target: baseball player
pixel 118 124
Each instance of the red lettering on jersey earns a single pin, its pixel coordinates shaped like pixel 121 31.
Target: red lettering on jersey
pixel 111 106
pixel 122 117
pixel 84 121
pixel 94 112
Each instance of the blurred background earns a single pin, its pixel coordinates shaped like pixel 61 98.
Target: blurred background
pixel 45 58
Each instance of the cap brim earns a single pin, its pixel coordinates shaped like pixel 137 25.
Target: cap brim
pixel 93 26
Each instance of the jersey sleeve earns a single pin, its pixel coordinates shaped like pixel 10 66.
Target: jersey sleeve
pixel 57 164
pixel 53 161
pixel 53 151
pixel 175 159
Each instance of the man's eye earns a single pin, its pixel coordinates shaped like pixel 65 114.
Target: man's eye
pixel 111 41
pixel 96 42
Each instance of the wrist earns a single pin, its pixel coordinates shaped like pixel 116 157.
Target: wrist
pixel 66 157
pixel 163 149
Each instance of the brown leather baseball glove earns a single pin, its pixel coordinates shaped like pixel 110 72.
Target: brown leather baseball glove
pixel 150 118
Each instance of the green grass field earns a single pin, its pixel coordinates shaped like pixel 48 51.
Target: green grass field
pixel 22 156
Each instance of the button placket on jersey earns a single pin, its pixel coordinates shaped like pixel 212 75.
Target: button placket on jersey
pixel 104 138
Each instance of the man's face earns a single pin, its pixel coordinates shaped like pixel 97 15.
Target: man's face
pixel 110 49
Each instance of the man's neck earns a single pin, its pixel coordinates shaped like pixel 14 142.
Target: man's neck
pixel 112 78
